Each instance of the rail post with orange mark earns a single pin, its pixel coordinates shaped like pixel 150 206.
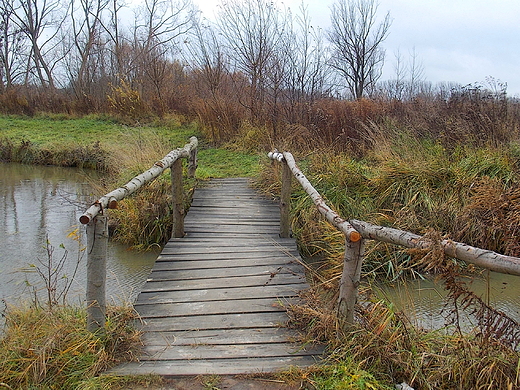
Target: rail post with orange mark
pixel 354 243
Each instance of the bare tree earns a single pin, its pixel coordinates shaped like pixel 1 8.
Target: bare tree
pixel 159 23
pixel 206 55
pixel 252 30
pixel 416 74
pixel 356 41
pixel 116 40
pixel 40 21
pixel 12 47
pixel 304 52
pixel 86 35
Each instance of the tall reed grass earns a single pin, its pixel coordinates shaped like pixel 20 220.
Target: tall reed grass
pixel 51 349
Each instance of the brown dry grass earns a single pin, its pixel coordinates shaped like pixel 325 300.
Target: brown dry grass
pixel 52 348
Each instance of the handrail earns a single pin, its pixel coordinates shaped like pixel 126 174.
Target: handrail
pixel 96 222
pixel 357 231
pixel 110 200
pixel 331 216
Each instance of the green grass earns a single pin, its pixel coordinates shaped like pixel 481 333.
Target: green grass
pixel 218 163
pixel 52 135
pixel 46 131
pixel 346 376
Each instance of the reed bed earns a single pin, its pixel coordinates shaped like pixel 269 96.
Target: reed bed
pixel 51 349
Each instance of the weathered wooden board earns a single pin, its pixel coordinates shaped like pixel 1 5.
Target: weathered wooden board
pixel 272 250
pixel 231 282
pixel 222 272
pixel 177 262
pixel 215 366
pixel 220 337
pixel 215 301
pixel 238 293
pixel 212 307
pixel 204 351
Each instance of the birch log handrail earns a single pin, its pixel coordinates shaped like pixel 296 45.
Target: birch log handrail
pixel 331 216
pixel 110 200
pixel 356 232
pixel 97 224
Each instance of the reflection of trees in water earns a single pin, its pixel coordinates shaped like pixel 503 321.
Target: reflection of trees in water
pixel 36 201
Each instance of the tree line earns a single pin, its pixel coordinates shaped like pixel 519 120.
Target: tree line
pixel 254 62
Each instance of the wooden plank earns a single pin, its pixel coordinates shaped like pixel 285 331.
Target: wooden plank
pixel 218 352
pixel 220 321
pixel 232 228
pixel 173 262
pixel 238 240
pixel 213 307
pixel 221 272
pixel 217 249
pixel 220 337
pixel 232 282
pixel 227 253
pixel 240 203
pixel 270 222
pixel 281 291
pixel 215 367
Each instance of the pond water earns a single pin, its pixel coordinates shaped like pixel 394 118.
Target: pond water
pixel 423 301
pixel 39 203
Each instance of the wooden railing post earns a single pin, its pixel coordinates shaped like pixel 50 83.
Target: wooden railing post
pixel 192 163
pixel 177 199
pixel 97 244
pixel 285 201
pixel 350 279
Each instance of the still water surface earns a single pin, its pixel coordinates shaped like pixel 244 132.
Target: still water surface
pixel 39 203
pixel 423 300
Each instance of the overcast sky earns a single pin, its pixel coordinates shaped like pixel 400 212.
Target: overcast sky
pixel 463 41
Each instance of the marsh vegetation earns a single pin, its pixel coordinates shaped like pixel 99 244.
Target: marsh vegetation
pixel 441 160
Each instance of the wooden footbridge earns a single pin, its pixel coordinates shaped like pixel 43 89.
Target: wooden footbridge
pixel 215 300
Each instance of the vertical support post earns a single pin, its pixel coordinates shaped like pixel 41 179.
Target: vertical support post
pixel 285 201
pixel 192 163
pixel 97 245
pixel 177 199
pixel 350 279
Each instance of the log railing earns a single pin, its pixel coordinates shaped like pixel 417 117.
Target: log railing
pixel 97 224
pixel 356 232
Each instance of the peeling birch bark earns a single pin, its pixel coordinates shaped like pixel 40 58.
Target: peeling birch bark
pixel 331 216
pixel 110 200
pixel 470 254
pixel 285 202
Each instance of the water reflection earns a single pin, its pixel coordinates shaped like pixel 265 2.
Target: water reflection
pixel 423 300
pixel 39 203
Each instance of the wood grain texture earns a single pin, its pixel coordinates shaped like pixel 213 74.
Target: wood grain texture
pixel 215 301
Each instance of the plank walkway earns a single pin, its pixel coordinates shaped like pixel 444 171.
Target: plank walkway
pixel 214 301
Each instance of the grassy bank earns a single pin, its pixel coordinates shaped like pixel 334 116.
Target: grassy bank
pixel 51 349
pixel 465 193
pixel 121 152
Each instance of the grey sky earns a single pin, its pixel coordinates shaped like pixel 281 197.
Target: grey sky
pixel 462 41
